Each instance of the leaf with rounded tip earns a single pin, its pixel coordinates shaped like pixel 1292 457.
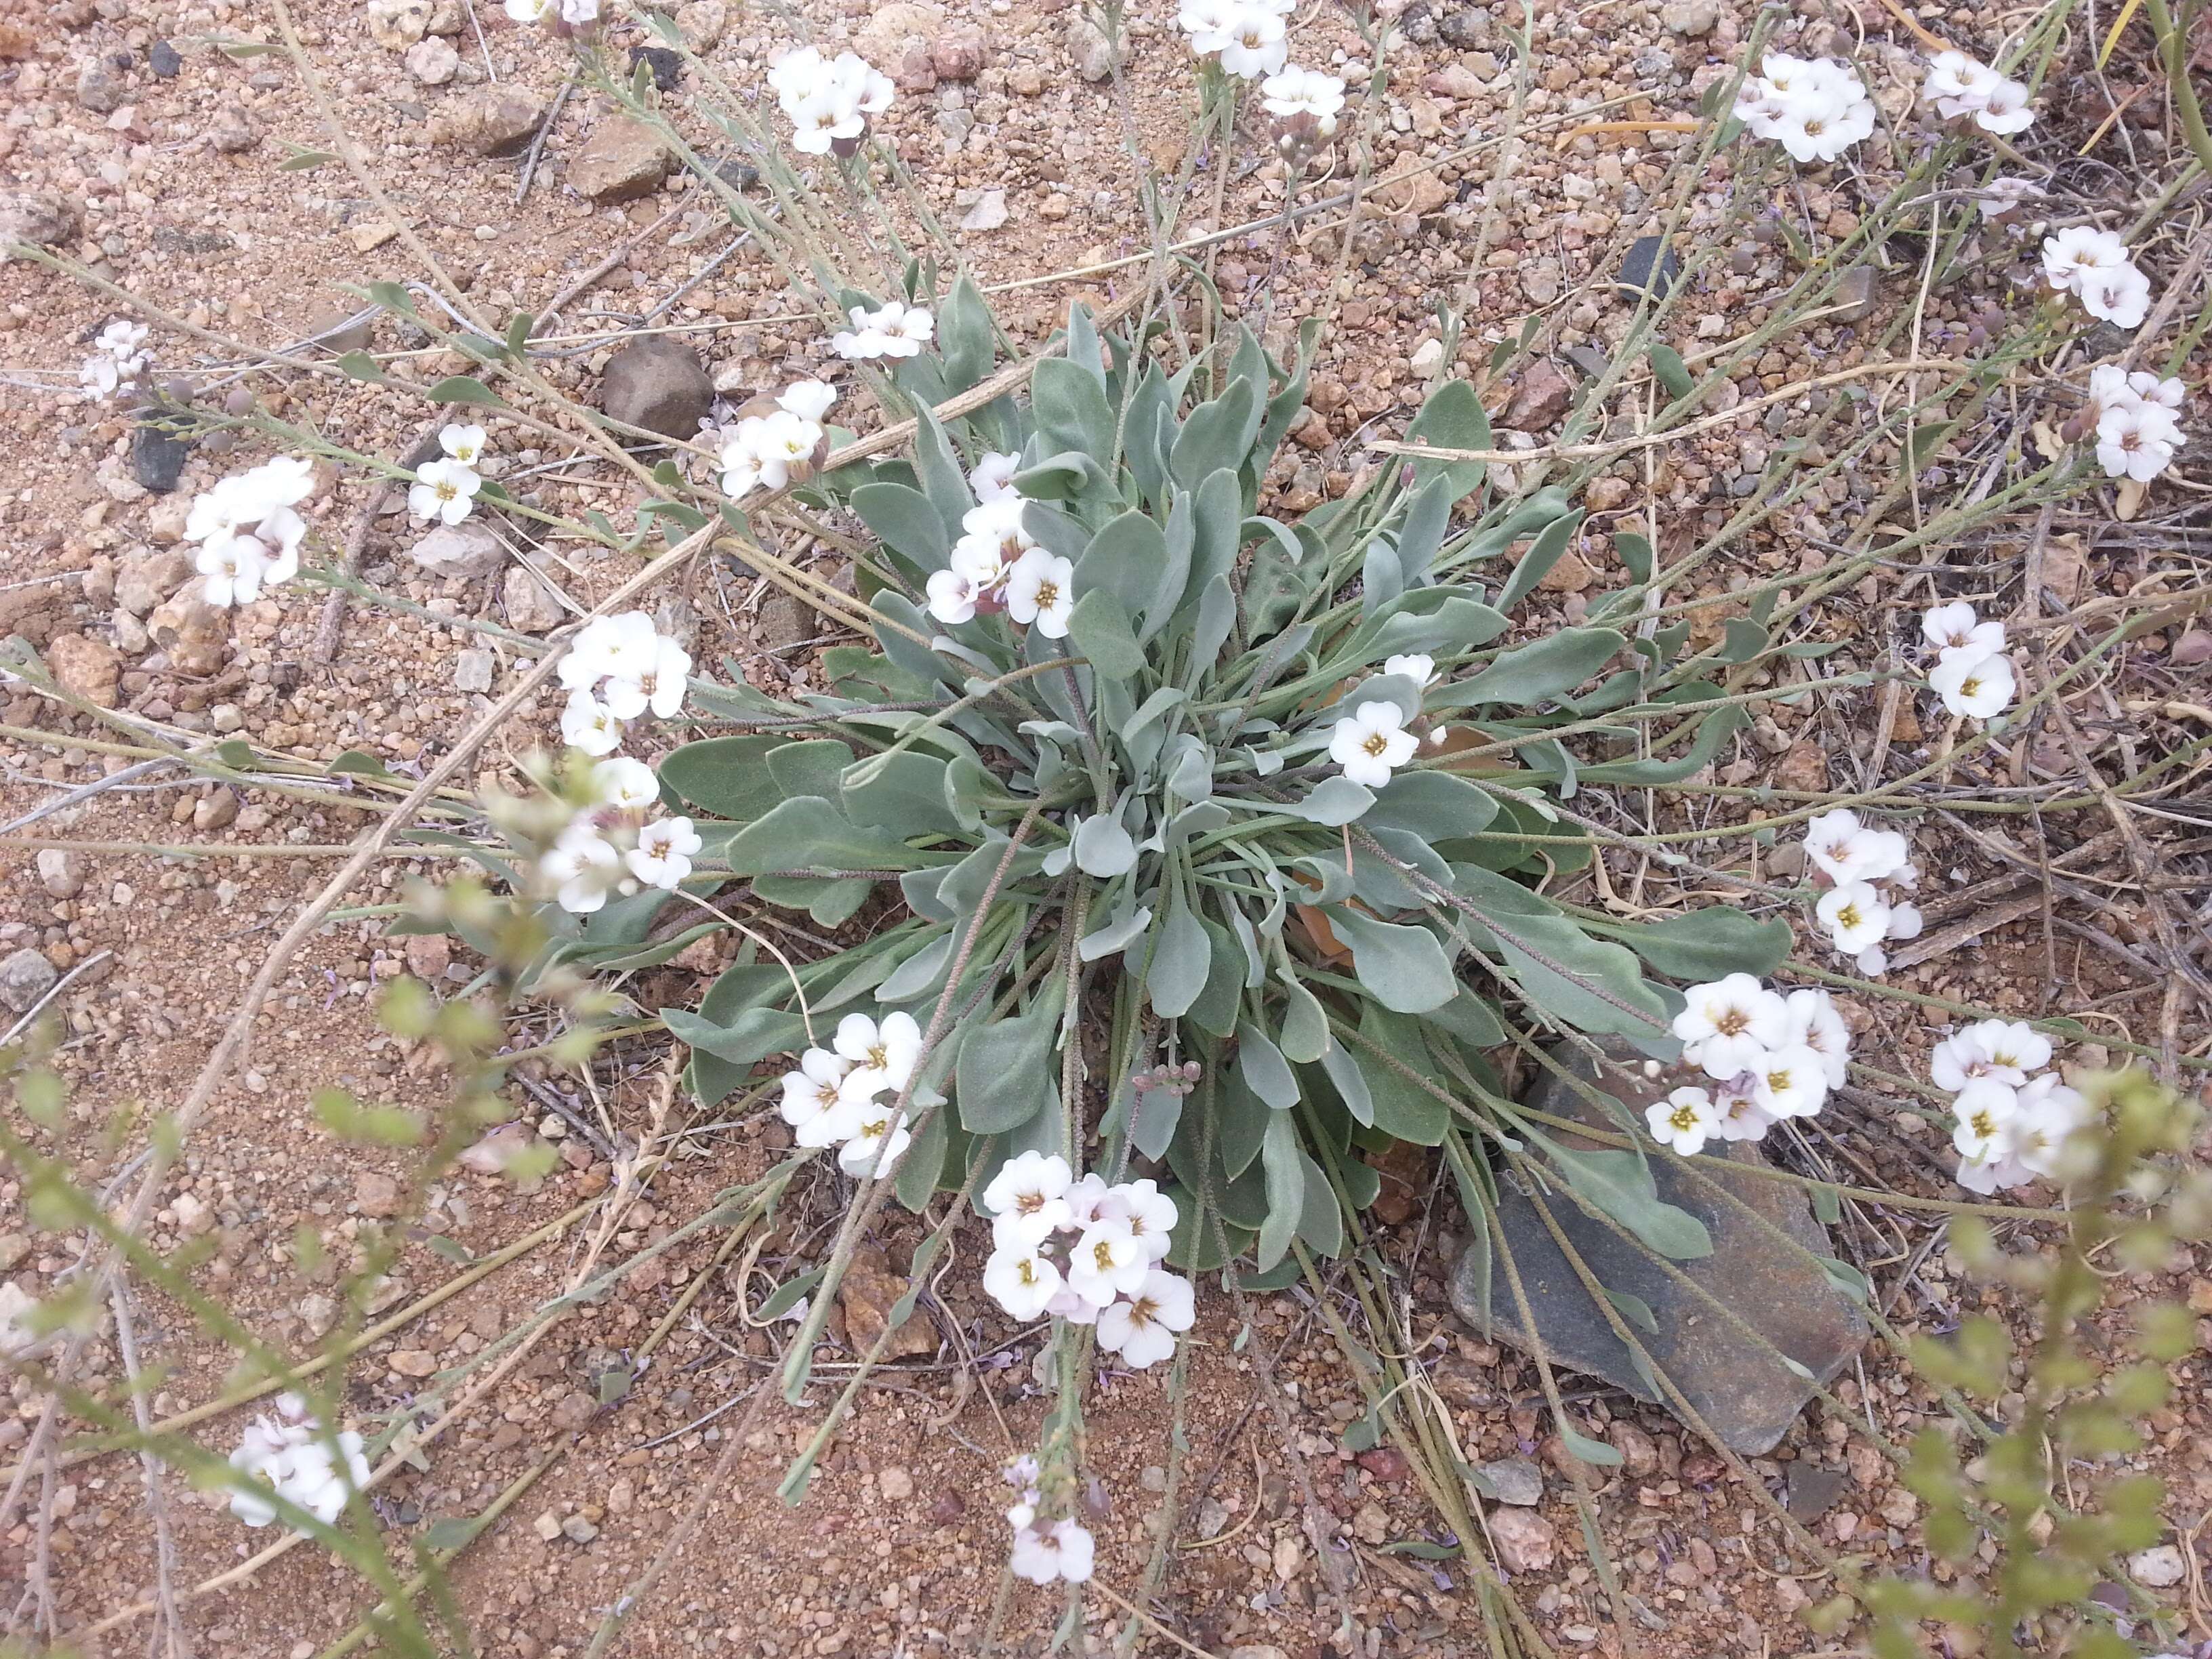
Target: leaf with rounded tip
pixel 1403 967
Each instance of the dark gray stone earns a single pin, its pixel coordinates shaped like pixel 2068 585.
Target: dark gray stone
pixel 667 66
pixel 1466 28
pixel 158 455
pixel 1589 362
pixel 1853 300
pixel 658 385
pixel 1650 265
pixel 1810 1492
pixel 1745 1394
pixel 164 61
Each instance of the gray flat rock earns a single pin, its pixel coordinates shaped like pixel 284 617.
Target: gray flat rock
pixel 1745 1393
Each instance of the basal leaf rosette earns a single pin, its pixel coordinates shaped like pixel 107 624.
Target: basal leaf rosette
pixel 1192 836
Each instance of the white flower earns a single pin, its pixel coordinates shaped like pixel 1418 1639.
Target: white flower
pixel 809 400
pixel 2008 1050
pixel 1980 687
pixel 1984 1107
pixel 1874 961
pixel 1041 591
pixel 883 1056
pixel 577 13
pixel 1107 1261
pixel 1856 915
pixel 2150 389
pixel 1813 1021
pixel 2120 296
pixel 1821 132
pixel 2005 109
pixel 589 725
pixel 1256 42
pixel 1957 84
pixel 2047 1112
pixel 1020 1279
pixel 583 867
pixel 662 857
pixel 2078 252
pixel 1150 1213
pixel 951 596
pixel 529 11
pixel 2137 440
pixel 621 781
pixel 2001 196
pixel 1415 666
pixel 815 1106
pixel 1790 1081
pixel 1061 1551
pixel 1091 1199
pixel 1684 1121
pixel 1298 91
pixel 1848 850
pixel 464 444
pixel 765 449
pixel 993 480
pixel 231 571
pixel 1740 1117
pixel 659 686
pixel 1142 1329
pixel 1030 1196
pixel 1954 630
pixel 1727 1024
pixel 1371 743
pixel 621 646
pixel 1906 922
pixel 991 538
pixel 292 1460
pixel 118 356
pixel 1816 108
pixel 1075 1308
pixel 897 331
pixel 877 1147
pixel 820 118
pixel 1207 23
pixel 443 490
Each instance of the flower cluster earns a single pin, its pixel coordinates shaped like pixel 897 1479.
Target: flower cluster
pixel 2094 264
pixel 1960 86
pixel 1372 741
pixel 446 489
pixel 898 330
pixel 1866 869
pixel 119 355
pixel 828 99
pixel 1770 1056
pixel 1971 674
pixel 996 566
pixel 289 1454
pixel 249 536
pixel 2011 1123
pixel 1816 108
pixel 617 668
pixel 1248 38
pixel 834 1098
pixel 2137 420
pixel 1087 1252
pixel 781 442
pixel 1059 1551
pixel 614 845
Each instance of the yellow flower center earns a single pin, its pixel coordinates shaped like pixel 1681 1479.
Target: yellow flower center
pixel 1682 1118
pixel 1730 1022
pixel 1027 1271
pixel 1376 745
pixel 1849 915
pixel 1982 1125
pixel 1048 595
pixel 1102 1254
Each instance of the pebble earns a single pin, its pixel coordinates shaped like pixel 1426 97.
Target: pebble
pixel 2158 1567
pixel 656 385
pixel 36 217
pixel 1694 18
pixel 466 549
pixel 376 1194
pixel 472 669
pixel 61 872
pixel 530 604
pixel 396 25
pixel 988 213
pixel 1853 301
pixel 158 456
pixel 161 58
pixel 415 1362
pixel 98 87
pixel 86 668
pixel 701 23
pixel 664 65
pixel 1525 1542
pixel 1515 1481
pixel 432 61
pixel 577 1530
pixel 1088 49
pixel 895 1483
pixel 215 810
pixel 233 132
pixel 1649 263
pixel 24 978
pixel 620 160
